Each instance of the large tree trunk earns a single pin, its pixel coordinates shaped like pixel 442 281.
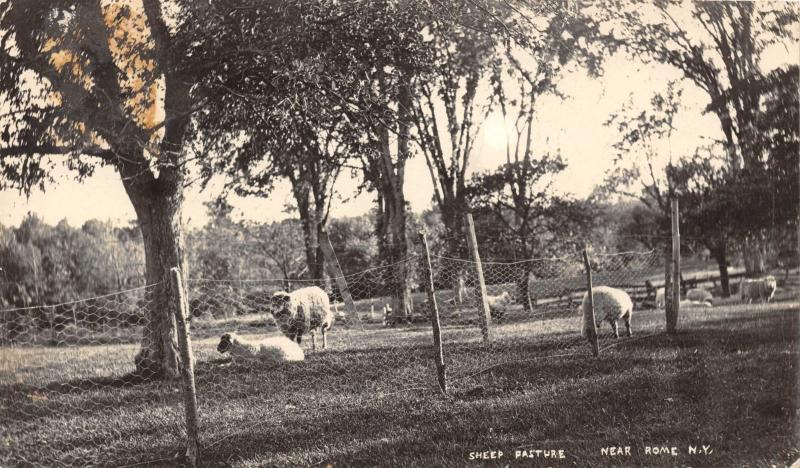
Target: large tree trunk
pixel 399 248
pixel 720 255
pixel 393 247
pixel 158 207
pixel 452 218
pixel 524 287
pixel 392 205
pixel 310 239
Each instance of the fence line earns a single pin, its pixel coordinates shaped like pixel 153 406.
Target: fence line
pixel 532 316
pixel 78 301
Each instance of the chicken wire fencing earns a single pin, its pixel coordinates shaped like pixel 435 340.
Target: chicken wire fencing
pixel 70 395
pixel 381 343
pixel 69 390
pixel 533 308
pixel 367 360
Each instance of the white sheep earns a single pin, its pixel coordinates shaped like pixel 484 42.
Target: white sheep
pixel 660 298
pixel 304 310
pixel 610 303
pixel 761 288
pixel 498 304
pixel 699 296
pixel 273 349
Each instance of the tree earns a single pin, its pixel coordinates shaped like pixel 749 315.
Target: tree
pixel 462 60
pixel 643 133
pixel 523 210
pixel 519 192
pixel 303 145
pixel 395 56
pixel 709 209
pixel 353 240
pixel 718 46
pixel 281 244
pixel 93 83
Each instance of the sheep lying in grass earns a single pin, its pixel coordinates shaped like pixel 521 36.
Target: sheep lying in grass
pixel 611 304
pixel 498 304
pixel 274 349
pixel 758 289
pixel 301 311
pixel 699 296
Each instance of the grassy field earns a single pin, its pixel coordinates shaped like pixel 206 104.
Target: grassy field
pixel 728 381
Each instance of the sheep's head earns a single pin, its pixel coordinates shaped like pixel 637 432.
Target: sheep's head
pixel 225 342
pixel 279 302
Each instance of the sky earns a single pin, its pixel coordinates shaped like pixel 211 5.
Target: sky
pixel 574 126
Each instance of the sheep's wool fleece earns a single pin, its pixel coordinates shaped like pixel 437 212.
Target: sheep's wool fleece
pixel 272 349
pixel 762 288
pixel 609 303
pixel 281 348
pixel 660 298
pixel 500 300
pixel 699 295
pixel 309 306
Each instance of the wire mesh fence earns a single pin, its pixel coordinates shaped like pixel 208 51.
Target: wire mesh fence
pixel 70 394
pixel 367 358
pixel 69 391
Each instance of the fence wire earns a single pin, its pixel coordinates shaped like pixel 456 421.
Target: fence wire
pixel 366 360
pixel 384 345
pixel 69 393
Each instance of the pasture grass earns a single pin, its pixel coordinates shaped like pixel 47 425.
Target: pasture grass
pixel 727 380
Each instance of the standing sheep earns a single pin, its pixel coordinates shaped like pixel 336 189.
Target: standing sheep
pixel 274 349
pixel 304 310
pixel 762 288
pixel 610 303
pixel 660 298
pixel 659 301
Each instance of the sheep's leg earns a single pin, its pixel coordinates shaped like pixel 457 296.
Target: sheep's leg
pixel 324 342
pixel 628 324
pixel 614 328
pixel 313 341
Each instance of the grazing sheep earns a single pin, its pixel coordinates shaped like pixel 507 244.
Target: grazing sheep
pixel 699 296
pixel 274 349
pixel 761 288
pixel 498 304
pixel 610 303
pixel 304 310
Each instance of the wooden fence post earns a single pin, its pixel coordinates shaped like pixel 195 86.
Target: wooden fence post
pixel 437 332
pixel 672 318
pixel 336 271
pixel 187 367
pixel 484 313
pixel 589 322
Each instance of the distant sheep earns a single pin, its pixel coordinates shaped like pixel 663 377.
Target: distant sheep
pixel 498 304
pixel 389 318
pixel 274 349
pixel 304 310
pixel 758 289
pixel 660 298
pixel 611 304
pixel 699 296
